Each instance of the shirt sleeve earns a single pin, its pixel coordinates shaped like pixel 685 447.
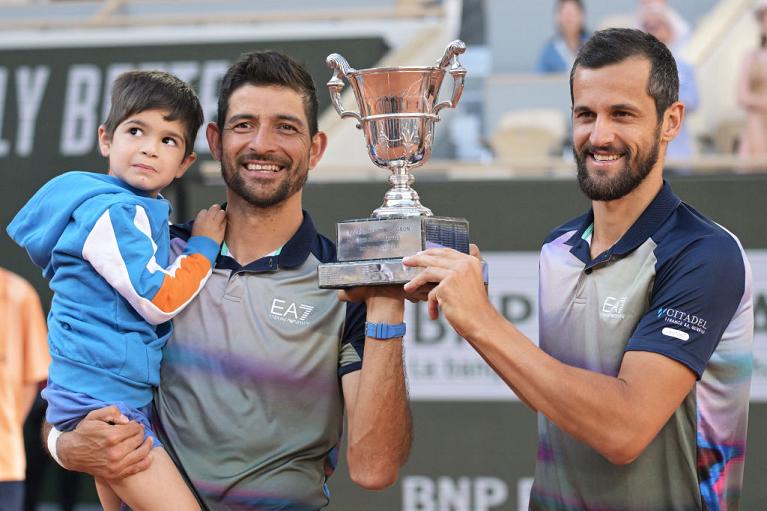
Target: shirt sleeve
pixel 353 339
pixel 35 338
pixel 121 249
pixel 694 298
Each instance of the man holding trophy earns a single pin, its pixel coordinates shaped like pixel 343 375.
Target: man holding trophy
pixel 641 381
pixel 262 365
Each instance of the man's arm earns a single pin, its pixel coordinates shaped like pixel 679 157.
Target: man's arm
pixel 379 422
pixel 105 444
pixel 617 416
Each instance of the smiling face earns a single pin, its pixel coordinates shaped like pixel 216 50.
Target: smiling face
pixel 617 136
pixel 265 148
pixel 146 151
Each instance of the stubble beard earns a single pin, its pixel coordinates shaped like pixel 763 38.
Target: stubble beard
pixel 287 188
pixel 623 183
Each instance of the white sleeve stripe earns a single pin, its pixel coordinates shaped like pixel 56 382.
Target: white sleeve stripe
pixel 141 221
pixel 101 250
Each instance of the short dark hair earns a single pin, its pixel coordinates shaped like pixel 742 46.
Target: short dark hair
pixel 269 68
pixel 137 91
pixel 614 45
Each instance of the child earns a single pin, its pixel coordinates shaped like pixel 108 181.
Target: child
pixel 103 241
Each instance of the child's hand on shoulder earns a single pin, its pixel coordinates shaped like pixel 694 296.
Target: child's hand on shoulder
pixel 210 222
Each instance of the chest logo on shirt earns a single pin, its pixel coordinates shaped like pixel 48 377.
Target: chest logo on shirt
pixel 290 312
pixel 683 319
pixel 612 307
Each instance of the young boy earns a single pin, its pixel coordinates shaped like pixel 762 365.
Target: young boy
pixel 103 241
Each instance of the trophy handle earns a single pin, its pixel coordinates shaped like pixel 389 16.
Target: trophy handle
pixel 456 70
pixel 341 69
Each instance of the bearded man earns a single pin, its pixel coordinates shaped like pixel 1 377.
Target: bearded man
pixel 262 366
pixel 642 378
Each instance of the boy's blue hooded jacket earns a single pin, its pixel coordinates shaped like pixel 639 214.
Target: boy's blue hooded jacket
pixel 105 248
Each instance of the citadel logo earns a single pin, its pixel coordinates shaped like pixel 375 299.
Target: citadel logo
pixel 683 319
pixel 290 312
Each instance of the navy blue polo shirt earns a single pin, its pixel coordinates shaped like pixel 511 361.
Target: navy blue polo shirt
pixel 676 284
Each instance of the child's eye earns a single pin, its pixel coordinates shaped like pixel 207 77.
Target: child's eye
pixel 169 141
pixel 135 131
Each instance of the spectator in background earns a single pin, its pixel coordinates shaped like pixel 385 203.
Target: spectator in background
pixel 657 20
pixel 680 28
pixel 752 92
pixel 68 486
pixel 24 363
pixel 559 52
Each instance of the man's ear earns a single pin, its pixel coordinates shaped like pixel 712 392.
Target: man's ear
pixel 185 164
pixel 105 141
pixel 672 121
pixel 317 149
pixel 213 134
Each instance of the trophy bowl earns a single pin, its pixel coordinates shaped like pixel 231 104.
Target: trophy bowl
pixel 398 107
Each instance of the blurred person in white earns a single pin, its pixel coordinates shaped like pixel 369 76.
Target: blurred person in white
pixel 24 363
pixel 680 28
pixel 558 55
pixel 752 92
pixel 657 19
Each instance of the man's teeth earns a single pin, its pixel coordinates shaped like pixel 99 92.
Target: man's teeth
pixel 606 157
pixel 257 166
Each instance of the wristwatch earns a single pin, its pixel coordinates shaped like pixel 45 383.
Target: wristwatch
pixel 384 331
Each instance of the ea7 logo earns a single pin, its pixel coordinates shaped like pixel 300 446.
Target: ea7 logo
pixel 290 311
pixel 614 305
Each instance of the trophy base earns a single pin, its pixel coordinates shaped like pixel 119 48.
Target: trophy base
pixel 370 250
pixel 381 272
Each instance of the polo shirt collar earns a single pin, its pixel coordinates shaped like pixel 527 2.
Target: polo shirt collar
pixel 297 249
pixel 651 219
pixel 293 254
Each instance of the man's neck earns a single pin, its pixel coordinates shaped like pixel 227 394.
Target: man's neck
pixel 252 232
pixel 612 219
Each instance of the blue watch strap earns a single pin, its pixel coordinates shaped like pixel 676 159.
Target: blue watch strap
pixel 384 331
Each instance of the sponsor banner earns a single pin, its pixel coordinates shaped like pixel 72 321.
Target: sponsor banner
pixel 442 366
pixel 52 100
pixel 483 493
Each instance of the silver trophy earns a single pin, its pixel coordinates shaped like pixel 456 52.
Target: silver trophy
pixel 398 107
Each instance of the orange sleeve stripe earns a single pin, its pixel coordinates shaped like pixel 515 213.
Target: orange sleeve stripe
pixel 177 290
